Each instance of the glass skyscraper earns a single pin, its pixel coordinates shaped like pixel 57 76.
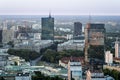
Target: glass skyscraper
pixel 47 28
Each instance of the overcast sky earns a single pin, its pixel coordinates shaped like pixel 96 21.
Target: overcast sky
pixel 60 7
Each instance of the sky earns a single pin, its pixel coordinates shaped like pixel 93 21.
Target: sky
pixel 60 7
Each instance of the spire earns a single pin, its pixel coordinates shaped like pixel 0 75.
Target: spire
pixel 50 14
pixel 89 18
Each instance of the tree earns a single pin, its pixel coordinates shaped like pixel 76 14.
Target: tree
pixel 24 53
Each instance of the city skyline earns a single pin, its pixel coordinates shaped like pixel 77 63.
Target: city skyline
pixel 59 7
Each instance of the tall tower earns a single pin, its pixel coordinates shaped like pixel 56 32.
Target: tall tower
pixel 77 29
pixel 116 48
pixel 47 28
pixel 86 41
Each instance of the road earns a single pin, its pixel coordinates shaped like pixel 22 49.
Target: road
pixel 33 62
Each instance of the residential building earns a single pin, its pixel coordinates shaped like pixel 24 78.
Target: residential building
pixel 7 35
pixel 74 70
pixel 108 57
pixel 23 76
pixel 117 51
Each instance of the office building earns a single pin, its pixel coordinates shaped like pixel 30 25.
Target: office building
pixel 95 34
pixel 108 57
pixel 74 70
pixel 47 28
pixel 77 29
pixel 1 35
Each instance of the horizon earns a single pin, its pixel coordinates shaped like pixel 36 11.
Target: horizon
pixel 59 7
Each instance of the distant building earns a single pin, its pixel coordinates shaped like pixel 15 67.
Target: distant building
pixel 74 70
pixel 117 49
pixel 1 35
pixel 23 76
pixel 7 35
pixel 71 45
pixel 3 57
pixel 47 28
pixel 88 75
pixel 77 29
pixel 64 61
pixel 108 57
pixel 95 34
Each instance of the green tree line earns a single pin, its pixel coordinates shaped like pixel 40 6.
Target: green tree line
pixel 24 53
pixel 53 56
pixel 114 73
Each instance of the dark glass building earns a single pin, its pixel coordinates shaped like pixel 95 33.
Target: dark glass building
pixel 47 28
pixel 77 29
pixel 96 34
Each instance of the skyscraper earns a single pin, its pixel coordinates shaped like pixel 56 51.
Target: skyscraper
pixel 77 29
pixel 96 34
pixel 116 48
pixel 47 28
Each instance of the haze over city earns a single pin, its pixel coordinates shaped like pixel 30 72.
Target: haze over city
pixel 59 40
pixel 59 7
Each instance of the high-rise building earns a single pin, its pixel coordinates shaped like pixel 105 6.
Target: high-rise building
pixel 108 57
pixel 74 70
pixel 116 48
pixel 1 35
pixel 95 34
pixel 47 28
pixel 77 29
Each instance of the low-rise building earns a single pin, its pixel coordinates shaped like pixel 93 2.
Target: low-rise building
pixel 108 57
pixel 23 76
pixel 74 70
pixel 64 61
pixel 71 45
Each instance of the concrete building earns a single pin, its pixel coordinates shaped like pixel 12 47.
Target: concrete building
pixel 1 35
pixel 47 28
pixel 23 76
pixel 71 45
pixel 74 70
pixel 64 61
pixel 77 29
pixel 34 45
pixel 108 57
pixel 117 49
pixel 7 35
pixel 95 34
pixel 3 57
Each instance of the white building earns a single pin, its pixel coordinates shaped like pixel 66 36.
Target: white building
pixel 108 57
pixel 74 70
pixel 23 76
pixel 116 49
pixel 71 45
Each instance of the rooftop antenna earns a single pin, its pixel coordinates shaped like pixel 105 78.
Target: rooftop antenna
pixel 49 14
pixel 89 18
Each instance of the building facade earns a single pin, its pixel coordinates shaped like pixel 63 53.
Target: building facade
pixel 77 29
pixel 95 34
pixel 108 57
pixel 47 28
pixel 116 49
pixel 23 76
pixel 74 70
